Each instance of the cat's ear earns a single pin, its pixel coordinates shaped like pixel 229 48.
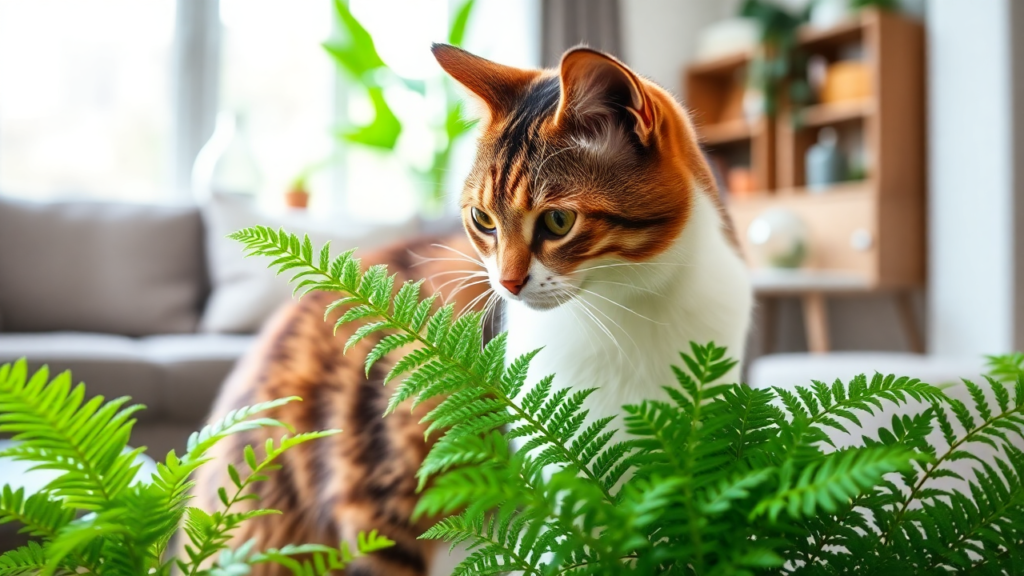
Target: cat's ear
pixel 498 87
pixel 595 88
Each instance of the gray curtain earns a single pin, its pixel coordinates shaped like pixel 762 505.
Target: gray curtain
pixel 566 23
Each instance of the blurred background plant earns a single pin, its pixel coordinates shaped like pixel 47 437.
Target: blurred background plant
pixel 777 60
pixel 353 50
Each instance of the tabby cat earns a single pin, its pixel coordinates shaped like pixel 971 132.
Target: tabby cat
pixel 596 221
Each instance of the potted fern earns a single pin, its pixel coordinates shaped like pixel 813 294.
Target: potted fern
pixel 720 479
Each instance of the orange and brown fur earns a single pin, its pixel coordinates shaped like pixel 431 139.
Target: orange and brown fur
pixel 361 479
pixel 588 183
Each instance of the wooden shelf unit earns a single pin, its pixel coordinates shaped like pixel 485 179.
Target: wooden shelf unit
pixel 870 230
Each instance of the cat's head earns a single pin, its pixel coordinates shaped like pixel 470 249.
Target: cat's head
pixel 577 168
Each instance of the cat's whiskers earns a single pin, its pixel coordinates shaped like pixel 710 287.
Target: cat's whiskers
pixel 425 260
pixel 461 253
pixel 630 285
pixel 475 300
pixel 460 287
pixel 626 308
pixel 629 265
pixel 597 309
pixel 589 309
pixel 447 272
pixel 465 275
pixel 569 297
pixel 490 309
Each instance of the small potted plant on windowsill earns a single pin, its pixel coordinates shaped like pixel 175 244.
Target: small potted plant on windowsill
pixel 297 195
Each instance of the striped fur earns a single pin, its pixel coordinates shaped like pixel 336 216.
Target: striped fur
pixel 361 479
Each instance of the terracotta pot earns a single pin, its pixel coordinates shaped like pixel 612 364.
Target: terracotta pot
pixel 296 198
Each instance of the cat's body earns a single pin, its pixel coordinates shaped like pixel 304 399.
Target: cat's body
pixel 595 218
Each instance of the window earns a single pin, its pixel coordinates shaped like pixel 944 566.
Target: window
pixel 276 76
pixel 94 95
pixel 85 98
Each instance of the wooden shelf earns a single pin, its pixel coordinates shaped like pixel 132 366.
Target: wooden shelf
pixel 838 190
pixel 726 132
pixel 721 66
pixel 775 281
pixel 834 113
pixel 842 33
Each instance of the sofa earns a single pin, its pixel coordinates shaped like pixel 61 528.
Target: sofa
pixel 153 302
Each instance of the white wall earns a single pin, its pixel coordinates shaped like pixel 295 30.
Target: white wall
pixel 660 36
pixel 971 231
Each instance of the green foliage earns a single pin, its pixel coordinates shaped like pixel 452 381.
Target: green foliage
pixel 96 517
pixel 715 479
pixel 353 50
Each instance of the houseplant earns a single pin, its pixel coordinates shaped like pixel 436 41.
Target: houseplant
pixel 94 519
pixel 353 50
pixel 720 479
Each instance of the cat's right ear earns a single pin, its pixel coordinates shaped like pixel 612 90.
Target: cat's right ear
pixel 498 87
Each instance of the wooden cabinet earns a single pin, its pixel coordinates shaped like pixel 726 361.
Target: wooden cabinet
pixel 871 228
pixel 865 235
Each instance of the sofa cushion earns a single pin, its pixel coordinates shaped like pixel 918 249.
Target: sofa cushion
pixel 192 368
pixel 245 293
pixel 175 376
pixel 109 365
pixel 100 267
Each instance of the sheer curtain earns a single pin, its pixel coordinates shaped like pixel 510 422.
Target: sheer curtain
pixel 566 23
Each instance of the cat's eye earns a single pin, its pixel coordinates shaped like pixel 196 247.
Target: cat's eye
pixel 559 222
pixel 482 220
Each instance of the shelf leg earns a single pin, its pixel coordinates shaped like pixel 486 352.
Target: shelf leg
pixel 816 322
pixel 767 319
pixel 905 307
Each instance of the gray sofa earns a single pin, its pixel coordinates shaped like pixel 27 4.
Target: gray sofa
pixel 115 293
pixel 148 301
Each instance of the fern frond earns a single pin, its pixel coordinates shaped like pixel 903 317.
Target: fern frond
pixel 59 430
pixel 25 560
pixel 40 514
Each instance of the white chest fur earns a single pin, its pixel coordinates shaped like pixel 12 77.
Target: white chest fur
pixel 633 320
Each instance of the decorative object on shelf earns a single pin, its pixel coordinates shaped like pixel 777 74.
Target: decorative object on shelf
pixel 817 70
pixel 779 238
pixel 297 195
pixel 740 181
pixel 824 161
pixel 226 164
pixel 846 81
pixel 828 13
pixel 727 37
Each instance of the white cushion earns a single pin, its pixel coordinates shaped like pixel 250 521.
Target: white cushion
pixel 798 369
pixel 788 370
pixel 245 293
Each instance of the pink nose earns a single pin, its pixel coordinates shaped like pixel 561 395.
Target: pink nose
pixel 515 285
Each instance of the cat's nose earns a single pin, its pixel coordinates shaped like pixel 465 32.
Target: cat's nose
pixel 515 285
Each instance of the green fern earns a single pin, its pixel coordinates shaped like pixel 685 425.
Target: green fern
pixel 129 522
pixel 718 479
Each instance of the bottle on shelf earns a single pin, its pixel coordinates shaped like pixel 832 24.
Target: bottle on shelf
pixel 824 161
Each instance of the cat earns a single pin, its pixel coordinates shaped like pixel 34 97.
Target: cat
pixel 596 221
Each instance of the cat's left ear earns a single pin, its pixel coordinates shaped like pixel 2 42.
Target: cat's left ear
pixel 595 87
